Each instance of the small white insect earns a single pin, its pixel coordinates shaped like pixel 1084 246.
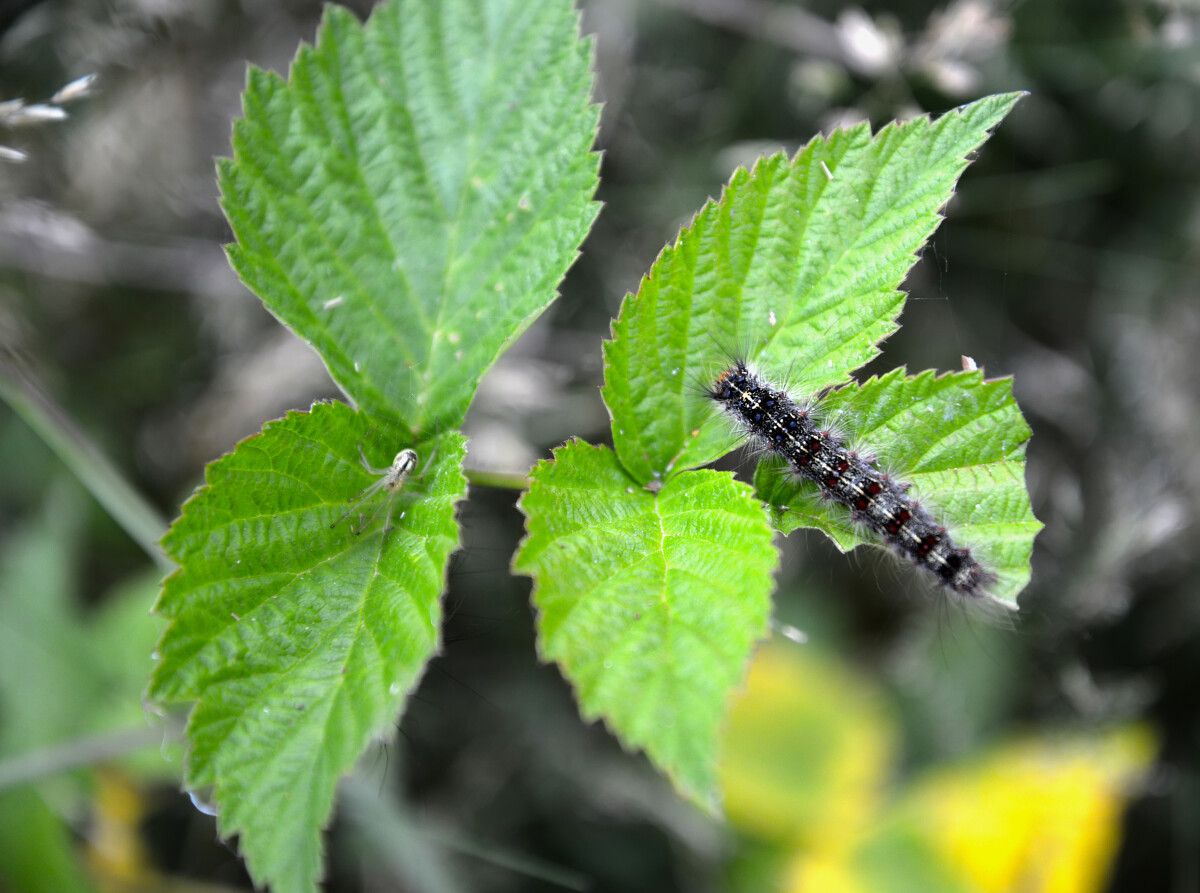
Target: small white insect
pixel 391 480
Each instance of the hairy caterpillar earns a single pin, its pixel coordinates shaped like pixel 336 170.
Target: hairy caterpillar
pixel 777 423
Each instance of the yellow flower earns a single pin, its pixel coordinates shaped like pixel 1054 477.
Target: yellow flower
pixel 1038 815
pixel 807 756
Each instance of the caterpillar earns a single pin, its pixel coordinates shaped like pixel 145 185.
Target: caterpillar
pixel 776 422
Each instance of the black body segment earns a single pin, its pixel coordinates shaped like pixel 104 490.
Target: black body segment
pixel 774 419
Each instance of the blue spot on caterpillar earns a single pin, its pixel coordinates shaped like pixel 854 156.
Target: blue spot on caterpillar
pixel 778 424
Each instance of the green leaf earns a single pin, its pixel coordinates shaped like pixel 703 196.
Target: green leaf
pixel 798 265
pixel 959 440
pixel 649 599
pixel 299 642
pixel 409 200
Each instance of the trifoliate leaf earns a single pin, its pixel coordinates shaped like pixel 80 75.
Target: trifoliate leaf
pixel 797 267
pixel 407 202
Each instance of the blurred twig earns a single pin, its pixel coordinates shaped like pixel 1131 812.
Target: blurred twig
pixel 787 26
pixel 20 389
pixel 45 241
pixel 87 751
pixel 395 838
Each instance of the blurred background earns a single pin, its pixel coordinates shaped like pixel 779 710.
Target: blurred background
pixel 891 742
